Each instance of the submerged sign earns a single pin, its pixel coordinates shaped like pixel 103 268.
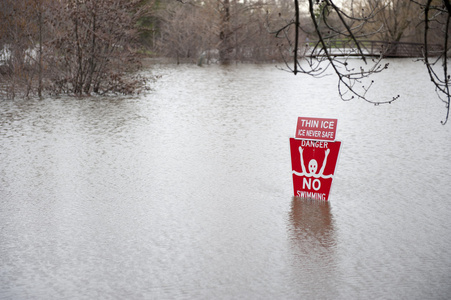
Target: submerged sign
pixel 316 129
pixel 313 167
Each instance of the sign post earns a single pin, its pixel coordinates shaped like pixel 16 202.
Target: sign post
pixel 314 155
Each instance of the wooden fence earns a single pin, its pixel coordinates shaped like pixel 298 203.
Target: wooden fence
pixel 372 48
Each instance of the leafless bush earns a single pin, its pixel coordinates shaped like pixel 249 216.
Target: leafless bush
pixel 71 46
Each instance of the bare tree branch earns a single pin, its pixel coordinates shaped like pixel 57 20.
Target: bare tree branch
pixel 391 20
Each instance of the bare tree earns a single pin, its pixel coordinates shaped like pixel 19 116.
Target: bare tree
pixel 94 45
pixel 187 30
pixel 330 22
pixel 333 22
pixel 18 43
pixel 395 17
pixel 437 18
pixel 249 31
pixel 70 46
pixel 230 30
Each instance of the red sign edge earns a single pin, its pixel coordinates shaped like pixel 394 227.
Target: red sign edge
pixel 336 164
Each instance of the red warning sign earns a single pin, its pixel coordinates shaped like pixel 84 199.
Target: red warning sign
pixel 313 167
pixel 316 129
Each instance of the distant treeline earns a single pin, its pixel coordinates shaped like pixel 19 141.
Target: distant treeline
pixel 84 47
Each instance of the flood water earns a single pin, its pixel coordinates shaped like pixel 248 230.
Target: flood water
pixel 186 192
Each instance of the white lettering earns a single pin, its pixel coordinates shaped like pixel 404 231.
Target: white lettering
pixel 314 144
pixel 309 123
pixel 309 195
pixel 327 124
pixel 300 132
pixel 306 183
pixel 327 134
pixel 318 186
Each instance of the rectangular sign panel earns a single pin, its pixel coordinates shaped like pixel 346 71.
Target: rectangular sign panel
pixel 313 167
pixel 316 129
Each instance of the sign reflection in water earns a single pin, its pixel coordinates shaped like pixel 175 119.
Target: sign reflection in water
pixel 313 244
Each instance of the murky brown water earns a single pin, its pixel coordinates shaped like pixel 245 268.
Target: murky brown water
pixel 186 193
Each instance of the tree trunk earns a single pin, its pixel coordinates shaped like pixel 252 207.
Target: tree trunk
pixel 92 58
pixel 40 51
pixel 225 36
pixel 78 82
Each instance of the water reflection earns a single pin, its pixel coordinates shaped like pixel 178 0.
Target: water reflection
pixel 313 240
pixel 312 219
